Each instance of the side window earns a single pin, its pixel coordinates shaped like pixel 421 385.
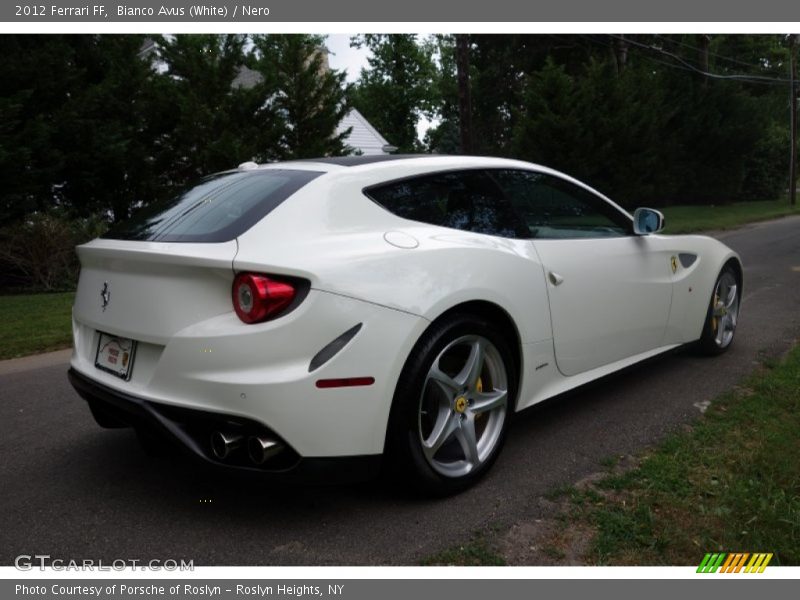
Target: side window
pixel 553 208
pixel 466 200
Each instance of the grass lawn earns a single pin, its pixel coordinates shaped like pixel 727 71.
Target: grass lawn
pixel 730 484
pixel 34 323
pixel 686 219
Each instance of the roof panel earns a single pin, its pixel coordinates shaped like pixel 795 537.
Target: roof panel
pixel 354 161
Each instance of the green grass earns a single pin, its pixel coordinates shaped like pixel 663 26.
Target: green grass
pixel 687 219
pixel 34 323
pixel 474 553
pixel 731 483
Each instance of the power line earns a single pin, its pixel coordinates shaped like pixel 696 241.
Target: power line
pixel 687 65
pixel 714 54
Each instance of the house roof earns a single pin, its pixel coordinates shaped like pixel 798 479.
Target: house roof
pixel 363 137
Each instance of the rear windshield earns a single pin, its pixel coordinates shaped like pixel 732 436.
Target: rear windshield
pixel 217 209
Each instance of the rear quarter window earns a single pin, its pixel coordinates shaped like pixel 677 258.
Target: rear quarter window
pixel 217 209
pixel 468 200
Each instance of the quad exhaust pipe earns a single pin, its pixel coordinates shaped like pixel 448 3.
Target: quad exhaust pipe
pixel 222 444
pixel 261 448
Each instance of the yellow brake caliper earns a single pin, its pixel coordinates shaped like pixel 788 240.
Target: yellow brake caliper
pixel 714 313
pixel 479 388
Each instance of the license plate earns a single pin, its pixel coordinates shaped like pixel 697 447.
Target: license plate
pixel 115 355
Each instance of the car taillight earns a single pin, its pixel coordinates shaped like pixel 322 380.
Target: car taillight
pixel 257 298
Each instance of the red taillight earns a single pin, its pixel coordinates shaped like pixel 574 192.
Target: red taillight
pixel 256 298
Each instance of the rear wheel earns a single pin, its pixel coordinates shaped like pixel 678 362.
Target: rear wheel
pixel 723 314
pixel 452 405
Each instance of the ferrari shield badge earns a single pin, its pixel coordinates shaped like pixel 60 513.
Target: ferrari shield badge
pixel 674 262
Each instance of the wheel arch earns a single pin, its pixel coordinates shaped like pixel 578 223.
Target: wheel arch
pixel 496 314
pixel 485 309
pixel 738 270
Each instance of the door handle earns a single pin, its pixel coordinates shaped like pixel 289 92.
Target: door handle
pixel 555 278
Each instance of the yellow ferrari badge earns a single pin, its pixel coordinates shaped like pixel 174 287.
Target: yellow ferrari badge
pixel 461 404
pixel 674 262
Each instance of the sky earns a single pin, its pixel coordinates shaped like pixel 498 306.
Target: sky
pixel 344 58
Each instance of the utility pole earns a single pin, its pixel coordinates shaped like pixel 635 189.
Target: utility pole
pixel 793 119
pixel 705 42
pixel 621 52
pixel 464 99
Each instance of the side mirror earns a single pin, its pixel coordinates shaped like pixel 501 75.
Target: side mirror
pixel 647 220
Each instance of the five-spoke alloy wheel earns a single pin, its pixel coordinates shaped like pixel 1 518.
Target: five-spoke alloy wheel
pixel 723 314
pixel 453 404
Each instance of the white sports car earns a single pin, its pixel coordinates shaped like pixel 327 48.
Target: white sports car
pixel 318 318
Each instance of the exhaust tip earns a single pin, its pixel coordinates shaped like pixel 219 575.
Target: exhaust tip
pixel 261 449
pixel 222 444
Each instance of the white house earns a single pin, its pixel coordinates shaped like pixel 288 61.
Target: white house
pixel 363 137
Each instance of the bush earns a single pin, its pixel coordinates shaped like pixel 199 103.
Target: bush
pixel 38 252
pixel 766 170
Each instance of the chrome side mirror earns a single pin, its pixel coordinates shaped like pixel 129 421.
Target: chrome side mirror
pixel 647 220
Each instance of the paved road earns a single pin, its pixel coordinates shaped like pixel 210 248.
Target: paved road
pixel 72 490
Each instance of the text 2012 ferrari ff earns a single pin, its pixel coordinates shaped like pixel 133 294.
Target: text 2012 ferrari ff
pixel 317 318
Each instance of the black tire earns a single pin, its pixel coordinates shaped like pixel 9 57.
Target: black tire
pixel 709 343
pixel 404 437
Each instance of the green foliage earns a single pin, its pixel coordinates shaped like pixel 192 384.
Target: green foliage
pixel 106 124
pixel 398 87
pixel 39 251
pixel 211 127
pixel 765 173
pixel 645 129
pixel 310 101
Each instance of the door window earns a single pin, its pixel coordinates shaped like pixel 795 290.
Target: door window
pixel 554 208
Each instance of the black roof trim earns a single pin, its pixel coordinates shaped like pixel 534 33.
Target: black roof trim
pixel 354 161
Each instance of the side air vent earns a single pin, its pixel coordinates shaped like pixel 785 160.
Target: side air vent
pixel 329 351
pixel 687 260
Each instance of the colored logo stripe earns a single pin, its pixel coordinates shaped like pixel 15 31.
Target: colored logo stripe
pixel 734 562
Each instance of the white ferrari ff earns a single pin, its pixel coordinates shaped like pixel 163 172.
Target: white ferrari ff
pixel 314 319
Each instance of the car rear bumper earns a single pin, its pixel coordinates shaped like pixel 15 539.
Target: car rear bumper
pixel 189 429
pixel 264 373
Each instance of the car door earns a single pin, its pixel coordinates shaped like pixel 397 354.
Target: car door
pixel 609 290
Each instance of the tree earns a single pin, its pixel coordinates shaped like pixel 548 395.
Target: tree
pixel 39 75
pixel 212 125
pixel 112 127
pixel 76 125
pixel 309 98
pixel 398 87
pixel 445 136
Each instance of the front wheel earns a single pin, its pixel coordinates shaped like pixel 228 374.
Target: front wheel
pixel 723 314
pixel 453 404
